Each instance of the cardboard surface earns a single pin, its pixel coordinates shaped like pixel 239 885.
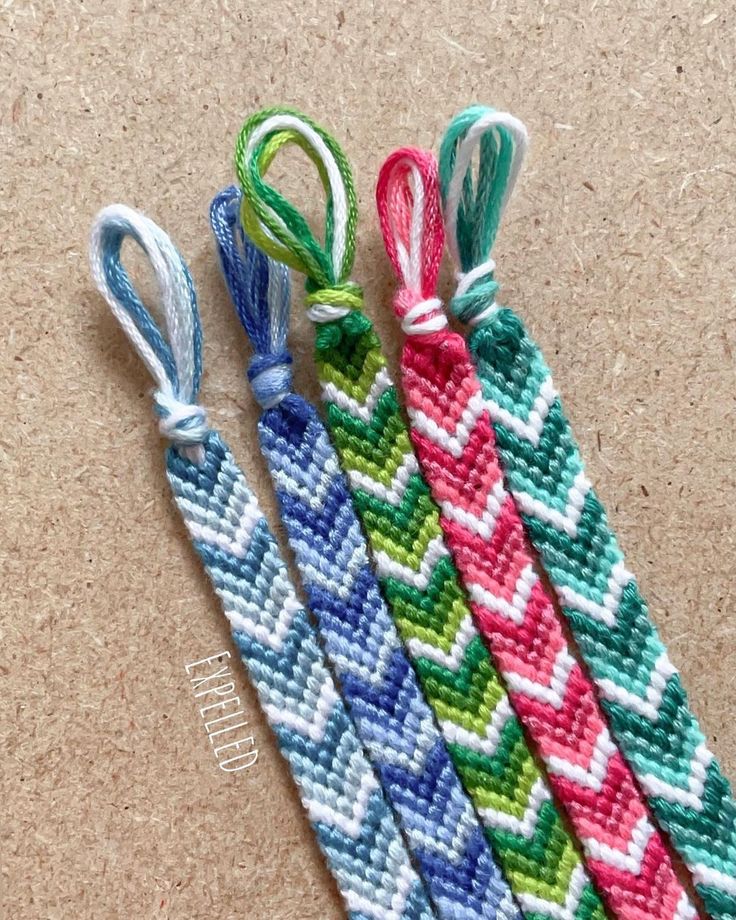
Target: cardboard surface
pixel 618 249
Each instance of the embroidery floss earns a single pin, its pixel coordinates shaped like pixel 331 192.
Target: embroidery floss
pixel 453 438
pixel 640 689
pixel 401 521
pixel 355 828
pixel 391 716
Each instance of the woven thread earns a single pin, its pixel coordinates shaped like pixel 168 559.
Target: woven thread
pixel 554 699
pixel 640 689
pixel 354 826
pixel 421 586
pixel 394 722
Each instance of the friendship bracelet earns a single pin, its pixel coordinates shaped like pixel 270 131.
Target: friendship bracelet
pixel 453 438
pixel 355 828
pixel 391 716
pixel 418 577
pixel 640 688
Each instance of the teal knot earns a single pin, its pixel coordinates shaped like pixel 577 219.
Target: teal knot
pixel 475 297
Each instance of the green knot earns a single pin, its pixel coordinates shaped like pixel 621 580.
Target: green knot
pixel 474 302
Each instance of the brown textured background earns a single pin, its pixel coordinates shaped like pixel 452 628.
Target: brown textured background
pixel 618 249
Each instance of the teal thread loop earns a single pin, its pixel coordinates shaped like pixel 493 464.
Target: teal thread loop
pixel 474 204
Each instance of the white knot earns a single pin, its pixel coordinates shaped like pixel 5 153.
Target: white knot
pixel 326 312
pixel 414 322
pixel 184 424
pixel 465 280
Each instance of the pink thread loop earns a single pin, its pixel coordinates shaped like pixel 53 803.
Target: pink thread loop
pixel 410 214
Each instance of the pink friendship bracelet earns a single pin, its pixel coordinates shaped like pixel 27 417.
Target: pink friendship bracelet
pixel 454 440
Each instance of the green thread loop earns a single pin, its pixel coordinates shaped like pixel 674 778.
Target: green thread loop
pixel 278 227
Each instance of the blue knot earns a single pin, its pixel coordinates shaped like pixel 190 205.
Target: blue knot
pixel 270 378
pixel 184 424
pixel 471 300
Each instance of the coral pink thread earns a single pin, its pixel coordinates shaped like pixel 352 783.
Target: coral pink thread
pixel 407 196
pixel 554 698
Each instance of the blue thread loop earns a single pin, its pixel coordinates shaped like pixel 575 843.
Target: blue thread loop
pixel 174 360
pixel 259 288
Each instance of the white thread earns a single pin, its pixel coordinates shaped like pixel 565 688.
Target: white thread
pixel 410 258
pixel 465 280
pixel 464 155
pixel 326 312
pixel 176 299
pixel 173 285
pixel 424 308
pixel 337 187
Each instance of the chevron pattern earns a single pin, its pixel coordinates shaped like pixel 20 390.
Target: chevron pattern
pixel 640 688
pixel 391 716
pixel 556 702
pixel 421 585
pixel 355 828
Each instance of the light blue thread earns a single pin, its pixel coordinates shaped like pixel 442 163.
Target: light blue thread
pixel 177 365
pixel 355 828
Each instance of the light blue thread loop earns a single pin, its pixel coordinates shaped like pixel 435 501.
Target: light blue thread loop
pixel 259 288
pixel 173 358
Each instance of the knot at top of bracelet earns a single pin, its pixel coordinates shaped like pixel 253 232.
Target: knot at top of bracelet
pixel 419 315
pixel 475 296
pixel 184 424
pixel 270 378
pixel 330 303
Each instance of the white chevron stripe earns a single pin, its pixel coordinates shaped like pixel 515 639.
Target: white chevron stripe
pixel 355 560
pixel 516 609
pixel 320 811
pixel 313 727
pixel 685 908
pixel 592 776
pixel 392 494
pixel 302 483
pixel 237 538
pixel 363 411
pixel 451 659
pixel 527 824
pixel 648 707
pixel 554 694
pixel 404 884
pixel 530 428
pixel 692 797
pixel 462 821
pixel 484 525
pixel 397 752
pixel 389 568
pixel 453 443
pixel 566 521
pixel 531 904
pixel 254 624
pixel 485 744
pixel 607 610
pixel 631 860
pixel 704 875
